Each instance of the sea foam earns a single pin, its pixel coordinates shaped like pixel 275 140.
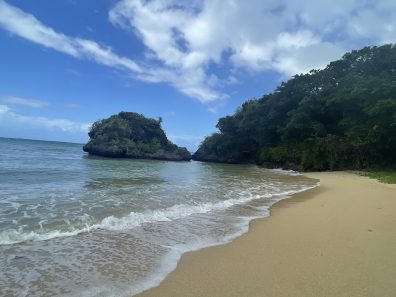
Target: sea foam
pixel 134 219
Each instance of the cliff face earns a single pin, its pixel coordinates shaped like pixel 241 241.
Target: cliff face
pixel 131 135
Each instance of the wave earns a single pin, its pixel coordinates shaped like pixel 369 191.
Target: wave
pixel 169 262
pixel 135 219
pixel 285 172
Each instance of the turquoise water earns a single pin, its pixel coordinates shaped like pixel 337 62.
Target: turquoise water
pixel 77 225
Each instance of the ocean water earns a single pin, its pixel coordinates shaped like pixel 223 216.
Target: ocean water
pixel 78 225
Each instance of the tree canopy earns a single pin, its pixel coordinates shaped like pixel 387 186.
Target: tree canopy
pixel 341 117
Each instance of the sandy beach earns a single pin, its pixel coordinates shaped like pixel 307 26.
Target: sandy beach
pixel 335 240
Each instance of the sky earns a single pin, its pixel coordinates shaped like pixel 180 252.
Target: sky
pixel 67 63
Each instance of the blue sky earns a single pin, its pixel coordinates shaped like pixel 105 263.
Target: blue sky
pixel 66 63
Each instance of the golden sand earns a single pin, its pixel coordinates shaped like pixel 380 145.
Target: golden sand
pixel 336 240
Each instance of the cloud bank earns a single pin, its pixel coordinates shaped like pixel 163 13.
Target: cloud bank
pixel 200 47
pixel 28 27
pixel 24 101
pixel 9 118
pixel 286 36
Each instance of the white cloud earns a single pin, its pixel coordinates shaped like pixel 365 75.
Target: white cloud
pixel 186 40
pixel 27 26
pixel 4 109
pixel 376 23
pixel 24 101
pixel 191 142
pixel 286 36
pixel 314 56
pixel 10 118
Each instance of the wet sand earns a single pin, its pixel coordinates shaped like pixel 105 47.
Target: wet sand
pixel 335 240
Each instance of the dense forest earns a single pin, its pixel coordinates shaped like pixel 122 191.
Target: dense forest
pixel 131 135
pixel 341 117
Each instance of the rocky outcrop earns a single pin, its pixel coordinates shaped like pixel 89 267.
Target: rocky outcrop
pixel 131 135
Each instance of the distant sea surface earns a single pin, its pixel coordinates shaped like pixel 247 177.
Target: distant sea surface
pixel 77 225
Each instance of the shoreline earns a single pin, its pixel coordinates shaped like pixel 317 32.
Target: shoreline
pixel 321 242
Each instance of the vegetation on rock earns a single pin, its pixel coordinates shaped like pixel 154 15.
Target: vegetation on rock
pixel 341 117
pixel 131 135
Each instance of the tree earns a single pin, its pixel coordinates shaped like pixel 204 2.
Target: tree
pixel 343 116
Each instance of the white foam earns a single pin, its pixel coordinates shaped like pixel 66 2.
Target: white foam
pixel 13 236
pixel 285 172
pixel 134 219
pixel 171 260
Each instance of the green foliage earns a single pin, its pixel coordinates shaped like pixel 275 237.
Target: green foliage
pixel 341 117
pixel 385 175
pixel 132 135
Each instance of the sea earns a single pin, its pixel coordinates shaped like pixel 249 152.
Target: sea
pixel 72 224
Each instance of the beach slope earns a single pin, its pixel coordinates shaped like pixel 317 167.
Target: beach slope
pixel 335 240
